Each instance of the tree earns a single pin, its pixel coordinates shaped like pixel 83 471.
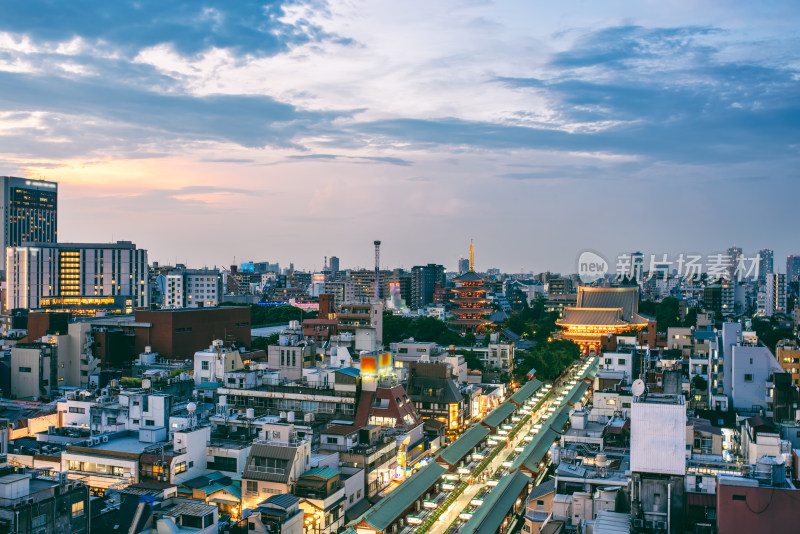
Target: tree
pixel 699 383
pixel 550 359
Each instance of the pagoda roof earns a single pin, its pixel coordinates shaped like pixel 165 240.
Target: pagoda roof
pixel 469 276
pixel 468 300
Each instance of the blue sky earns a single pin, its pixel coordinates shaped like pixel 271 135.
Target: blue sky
pixel 286 131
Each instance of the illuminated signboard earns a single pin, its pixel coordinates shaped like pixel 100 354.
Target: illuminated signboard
pixel 375 365
pixel 429 504
pixel 414 520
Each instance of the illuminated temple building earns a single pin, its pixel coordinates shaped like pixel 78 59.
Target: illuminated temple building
pixel 471 306
pixel 601 311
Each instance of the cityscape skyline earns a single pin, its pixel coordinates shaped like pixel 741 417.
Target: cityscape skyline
pixel 330 115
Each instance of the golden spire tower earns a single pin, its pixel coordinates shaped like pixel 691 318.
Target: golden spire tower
pixel 471 256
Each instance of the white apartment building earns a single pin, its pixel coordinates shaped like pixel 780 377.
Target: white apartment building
pixel 210 365
pixel 193 288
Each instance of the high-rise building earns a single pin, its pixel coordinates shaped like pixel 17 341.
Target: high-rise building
pixel 423 282
pixel 637 267
pixel 734 254
pixel 193 288
pixel 29 211
pixel 792 268
pixel 463 265
pixel 81 271
pixel 776 294
pixel 765 265
pixel 334 267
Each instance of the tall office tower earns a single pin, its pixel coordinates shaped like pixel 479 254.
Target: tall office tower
pixel 734 253
pixel 76 271
pixel 334 267
pixel 29 211
pixel 792 268
pixel 765 265
pixel 463 265
pixel 423 282
pixel 776 294
pixel 637 267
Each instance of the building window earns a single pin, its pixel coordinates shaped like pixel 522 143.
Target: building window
pixel 252 487
pixel 73 409
pixel 204 366
pixel 24 369
pixel 39 524
pixel 180 467
pixel 748 378
pixel 620 361
pixel 77 509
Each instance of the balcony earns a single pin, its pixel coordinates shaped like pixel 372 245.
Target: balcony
pixel 268 470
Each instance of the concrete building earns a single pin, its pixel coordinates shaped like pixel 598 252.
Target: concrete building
pixel 658 463
pixel 618 361
pixel 210 365
pixel 364 322
pixel 86 270
pixel 278 514
pixel 193 288
pixel 788 355
pixel 33 503
pixel 275 463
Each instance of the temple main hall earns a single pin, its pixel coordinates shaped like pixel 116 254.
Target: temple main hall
pixel 601 311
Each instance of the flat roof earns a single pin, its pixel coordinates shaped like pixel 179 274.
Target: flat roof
pixel 125 444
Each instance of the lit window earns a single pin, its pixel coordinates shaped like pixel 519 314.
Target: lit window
pixel 77 509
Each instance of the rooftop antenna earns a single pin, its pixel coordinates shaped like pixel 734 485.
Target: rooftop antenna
pixel 377 270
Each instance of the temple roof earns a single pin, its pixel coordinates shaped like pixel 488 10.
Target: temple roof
pixel 592 316
pixel 626 298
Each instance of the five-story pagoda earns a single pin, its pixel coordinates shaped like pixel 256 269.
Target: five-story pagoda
pixel 471 306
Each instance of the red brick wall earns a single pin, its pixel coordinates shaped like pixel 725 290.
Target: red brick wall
pixel 178 334
pixel 743 509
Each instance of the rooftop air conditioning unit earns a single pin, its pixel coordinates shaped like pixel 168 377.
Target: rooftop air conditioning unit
pixel 104 439
pixel 661 525
pixel 638 523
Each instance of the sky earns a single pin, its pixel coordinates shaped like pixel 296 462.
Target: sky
pixel 209 132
